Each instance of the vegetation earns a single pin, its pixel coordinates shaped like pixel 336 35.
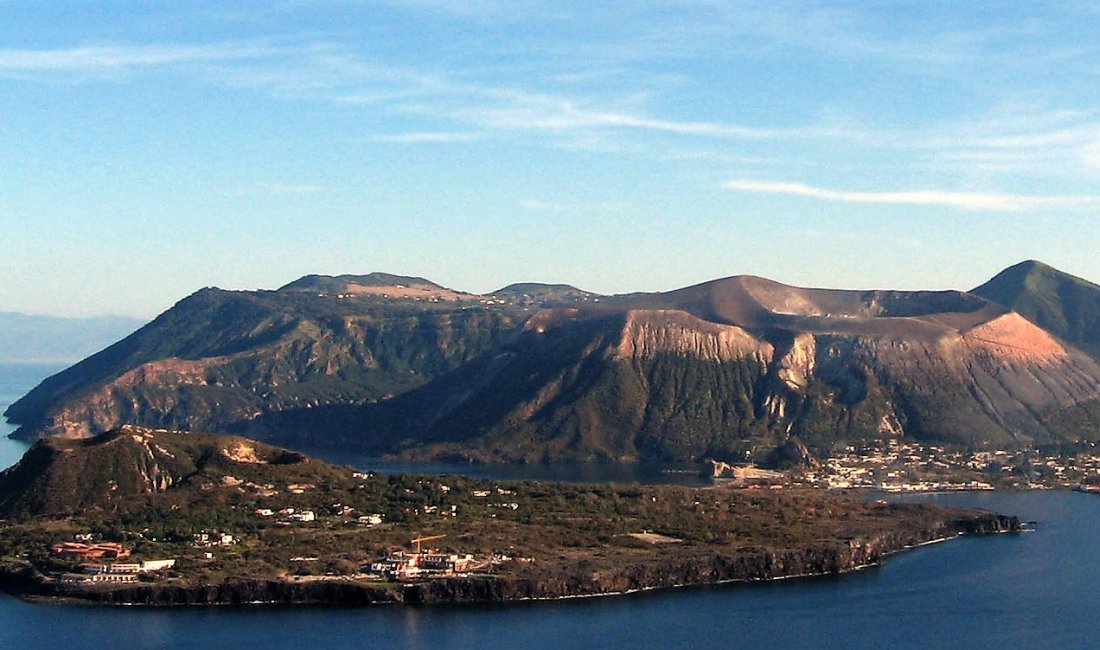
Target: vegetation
pixel 155 491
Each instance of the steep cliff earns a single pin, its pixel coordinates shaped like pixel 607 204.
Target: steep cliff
pixel 219 359
pixel 664 383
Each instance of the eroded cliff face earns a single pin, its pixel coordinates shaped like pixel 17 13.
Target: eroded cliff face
pixel 987 383
pixel 796 368
pixel 648 333
pixel 663 383
pixel 991 376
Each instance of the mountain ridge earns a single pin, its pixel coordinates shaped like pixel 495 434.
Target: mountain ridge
pixel 541 373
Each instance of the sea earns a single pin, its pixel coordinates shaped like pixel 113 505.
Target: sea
pixel 1038 589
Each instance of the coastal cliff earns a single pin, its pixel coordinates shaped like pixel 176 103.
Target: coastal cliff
pixel 153 517
pixel 670 568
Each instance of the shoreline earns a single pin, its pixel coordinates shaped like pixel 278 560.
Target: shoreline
pixel 700 568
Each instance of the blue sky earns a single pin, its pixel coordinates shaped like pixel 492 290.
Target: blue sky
pixel 151 149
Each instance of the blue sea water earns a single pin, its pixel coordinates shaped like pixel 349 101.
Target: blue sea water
pixel 15 381
pixel 1034 589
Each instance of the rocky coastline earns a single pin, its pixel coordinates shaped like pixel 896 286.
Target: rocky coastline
pixel 671 568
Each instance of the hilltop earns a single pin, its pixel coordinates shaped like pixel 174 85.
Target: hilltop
pixel 727 369
pixel 129 469
pixel 1062 304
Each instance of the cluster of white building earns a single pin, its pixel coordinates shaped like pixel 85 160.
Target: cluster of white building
pixel 406 566
pixel 119 571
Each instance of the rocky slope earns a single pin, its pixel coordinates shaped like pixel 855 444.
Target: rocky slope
pixel 728 369
pixel 1064 305
pixel 733 368
pixel 129 468
pixel 220 358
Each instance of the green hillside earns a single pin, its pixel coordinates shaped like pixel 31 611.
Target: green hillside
pixel 1060 303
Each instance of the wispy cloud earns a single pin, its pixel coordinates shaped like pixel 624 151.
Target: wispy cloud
pixel 971 201
pixel 511 110
pixel 1013 139
pixel 1090 154
pixel 471 9
pixel 459 104
pixel 908 42
pixel 113 58
pixel 448 105
pixel 543 114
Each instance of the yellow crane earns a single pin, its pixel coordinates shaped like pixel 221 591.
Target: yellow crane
pixel 418 540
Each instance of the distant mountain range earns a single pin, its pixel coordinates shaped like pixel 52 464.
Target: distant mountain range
pixel 50 339
pixel 727 369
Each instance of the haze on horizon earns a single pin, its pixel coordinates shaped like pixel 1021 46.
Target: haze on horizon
pixel 616 146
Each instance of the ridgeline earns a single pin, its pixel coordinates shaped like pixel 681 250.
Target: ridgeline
pixel 729 369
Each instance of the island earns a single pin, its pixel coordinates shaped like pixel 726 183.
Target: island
pixel 141 516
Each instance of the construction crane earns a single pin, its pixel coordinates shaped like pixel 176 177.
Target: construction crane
pixel 424 539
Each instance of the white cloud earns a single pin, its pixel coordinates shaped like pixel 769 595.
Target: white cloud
pixel 971 201
pixel 108 58
pixel 464 105
pixel 332 72
pixel 566 116
pixel 1090 154
pixel 533 204
pixel 1012 138
pixel 515 110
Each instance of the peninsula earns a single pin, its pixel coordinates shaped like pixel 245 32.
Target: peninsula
pixel 157 517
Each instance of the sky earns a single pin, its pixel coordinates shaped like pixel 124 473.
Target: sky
pixel 150 149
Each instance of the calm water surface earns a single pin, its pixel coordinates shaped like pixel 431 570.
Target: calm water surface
pixel 1029 590
pixel 15 381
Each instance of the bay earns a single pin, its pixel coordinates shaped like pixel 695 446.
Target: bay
pixel 1032 589
pixel 15 380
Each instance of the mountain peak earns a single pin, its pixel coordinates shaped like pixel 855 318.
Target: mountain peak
pixel 1063 304
pixel 331 283
pixel 395 364
pixel 545 295
pixel 1031 265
